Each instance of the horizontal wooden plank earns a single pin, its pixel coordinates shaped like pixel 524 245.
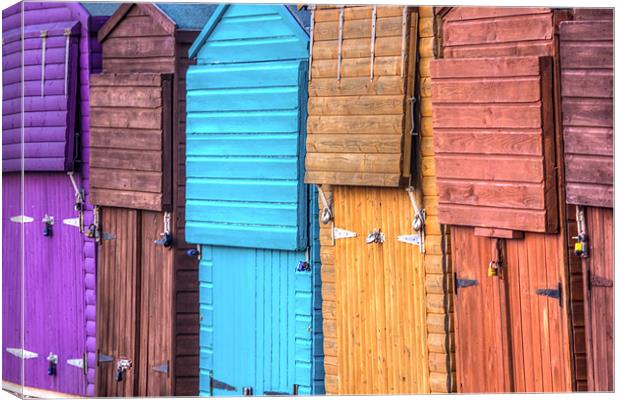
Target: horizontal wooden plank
pixel 493 194
pixel 485 90
pixel 164 64
pixel 139 139
pixel 129 159
pixel 119 47
pixel 355 48
pixel 138 25
pixel 356 67
pixel 587 83
pixel 589 169
pixel 479 141
pixel 380 124
pixel 371 163
pixel 241 190
pixel 587 55
pixel 490 168
pixel 587 112
pixel 125 118
pixel 492 217
pixel 515 49
pixel 352 178
pixel 359 28
pixel 473 13
pixel 140 181
pixel 498 233
pixel 586 31
pixel 527 116
pixel 594 195
pixel 489 67
pixel 125 97
pixel 383 85
pixel 351 143
pixel 587 140
pixel 331 13
pixel 125 79
pixel 499 30
pixel 583 14
pixel 126 199
pixel 356 105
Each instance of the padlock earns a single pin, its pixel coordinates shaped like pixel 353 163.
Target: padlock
pixel 166 240
pixel 91 232
pixel 53 363
pixel 492 271
pixel 48 221
pixel 121 367
pixel 192 252
pixel 303 266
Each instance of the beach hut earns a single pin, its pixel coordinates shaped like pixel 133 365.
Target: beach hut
pixel 385 259
pixel 247 206
pixel 47 138
pixel 147 297
pixel 586 52
pixel 497 139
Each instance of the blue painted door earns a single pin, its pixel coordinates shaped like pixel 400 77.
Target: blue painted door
pixel 261 326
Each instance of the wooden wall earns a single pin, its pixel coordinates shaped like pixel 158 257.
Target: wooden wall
pixel 145 43
pixel 437 259
pixel 586 48
pixel 356 125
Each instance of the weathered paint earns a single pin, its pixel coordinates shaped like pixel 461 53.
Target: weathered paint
pixel 42 186
pixel 163 35
pixel 536 352
pixel 248 207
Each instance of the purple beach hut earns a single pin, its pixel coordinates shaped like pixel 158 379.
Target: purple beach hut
pixel 48 256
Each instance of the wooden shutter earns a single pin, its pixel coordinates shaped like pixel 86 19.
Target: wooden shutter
pixel 131 132
pixel 586 49
pixel 494 142
pixel 50 75
pixel 359 125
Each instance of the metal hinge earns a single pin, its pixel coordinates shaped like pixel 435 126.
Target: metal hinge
pixel 80 363
pixel 72 221
pixel 215 384
pixel 598 281
pixel 21 353
pixel 108 236
pixel 163 368
pixel 553 293
pixel 463 283
pixel 274 393
pixel 21 219
pixel 343 234
pixel 410 239
pixel 103 358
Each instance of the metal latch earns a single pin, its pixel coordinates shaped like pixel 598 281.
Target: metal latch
pixel 122 365
pixel 463 283
pixel 21 353
pixel 166 236
pixel 376 236
pixel 162 368
pixel 554 293
pixel 343 234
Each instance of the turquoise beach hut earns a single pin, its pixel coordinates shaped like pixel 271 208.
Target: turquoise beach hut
pixel 247 206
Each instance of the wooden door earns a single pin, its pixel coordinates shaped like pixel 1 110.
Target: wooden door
pixel 599 299
pixel 118 293
pixel 156 305
pixel 511 329
pixel 380 295
pixel 482 354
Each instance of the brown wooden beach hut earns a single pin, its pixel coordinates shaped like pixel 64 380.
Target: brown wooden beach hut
pixel 497 136
pixel 586 53
pixel 147 316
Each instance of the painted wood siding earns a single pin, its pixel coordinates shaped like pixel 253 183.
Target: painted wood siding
pixel 494 142
pixel 256 306
pixel 49 96
pixel 246 116
pixel 357 125
pixel 586 49
pixel 437 259
pixel 130 108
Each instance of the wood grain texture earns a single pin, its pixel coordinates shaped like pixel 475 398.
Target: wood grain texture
pixel 587 110
pixel 380 297
pixel 348 108
pixel 508 115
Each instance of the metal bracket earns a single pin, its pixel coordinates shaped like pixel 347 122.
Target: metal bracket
pixel 343 234
pixel 162 368
pixel 21 219
pixel 463 283
pixel 72 221
pixel 21 353
pixel 552 293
